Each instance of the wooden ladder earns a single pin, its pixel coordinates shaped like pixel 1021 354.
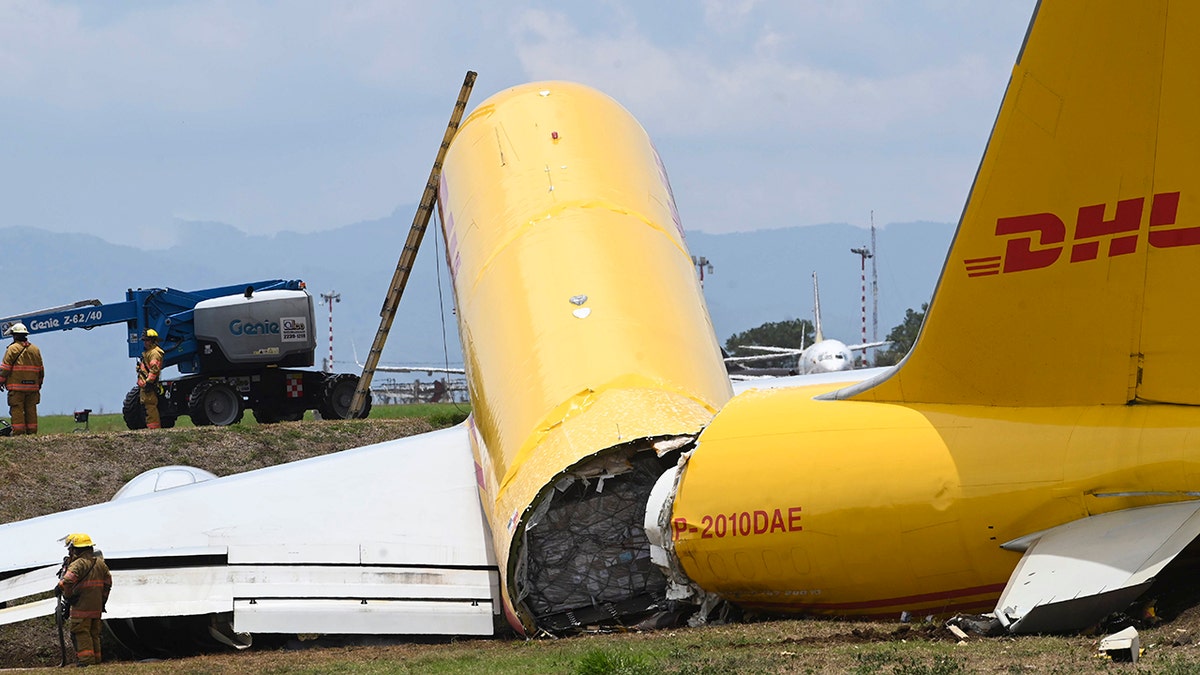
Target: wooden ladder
pixel 409 255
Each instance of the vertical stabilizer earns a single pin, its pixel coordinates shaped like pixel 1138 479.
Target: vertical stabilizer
pixel 1072 277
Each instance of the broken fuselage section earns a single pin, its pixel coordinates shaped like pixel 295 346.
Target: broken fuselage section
pixel 589 352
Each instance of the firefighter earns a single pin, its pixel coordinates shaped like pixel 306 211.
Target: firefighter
pixel 85 585
pixel 22 373
pixel 148 369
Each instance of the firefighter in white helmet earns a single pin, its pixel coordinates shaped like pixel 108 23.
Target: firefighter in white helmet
pixel 22 373
pixel 149 367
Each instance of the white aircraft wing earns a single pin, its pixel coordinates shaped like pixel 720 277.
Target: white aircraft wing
pixel 756 357
pixel 388 538
pixel 776 350
pixel 847 377
pixel 867 345
pixel 1074 575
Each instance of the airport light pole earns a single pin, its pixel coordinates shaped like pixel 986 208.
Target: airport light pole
pixel 329 299
pixel 702 264
pixel 863 253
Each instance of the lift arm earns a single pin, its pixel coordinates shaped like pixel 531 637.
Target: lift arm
pixel 166 310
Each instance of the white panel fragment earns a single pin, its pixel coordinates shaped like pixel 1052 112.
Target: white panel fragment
pixel 27 611
pixel 30 583
pixel 1102 554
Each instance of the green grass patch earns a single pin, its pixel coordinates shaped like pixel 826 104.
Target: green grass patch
pixel 439 416
pixel 609 662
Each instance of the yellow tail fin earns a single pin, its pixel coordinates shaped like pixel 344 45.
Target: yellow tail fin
pixel 1074 277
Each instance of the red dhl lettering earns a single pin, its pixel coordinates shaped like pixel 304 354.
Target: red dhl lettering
pixel 740 524
pixel 1045 235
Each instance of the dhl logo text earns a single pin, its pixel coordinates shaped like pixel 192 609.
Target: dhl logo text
pixel 1045 235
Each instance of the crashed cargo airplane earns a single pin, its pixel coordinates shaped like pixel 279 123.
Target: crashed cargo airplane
pixel 618 474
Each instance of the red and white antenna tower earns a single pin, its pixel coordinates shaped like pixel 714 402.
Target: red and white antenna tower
pixel 329 299
pixel 863 253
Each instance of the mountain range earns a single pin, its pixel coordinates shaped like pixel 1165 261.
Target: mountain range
pixel 757 276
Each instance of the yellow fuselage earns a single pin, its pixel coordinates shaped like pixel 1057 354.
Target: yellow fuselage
pixel 582 321
pixel 872 509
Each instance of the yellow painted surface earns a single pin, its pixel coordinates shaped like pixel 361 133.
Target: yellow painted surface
pixel 1062 287
pixel 874 509
pixel 581 316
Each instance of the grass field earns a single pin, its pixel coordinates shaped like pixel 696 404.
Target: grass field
pixel 438 414
pixel 784 646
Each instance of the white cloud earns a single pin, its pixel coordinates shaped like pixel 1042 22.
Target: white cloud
pixel 721 15
pixel 757 84
pixel 772 114
pixel 175 57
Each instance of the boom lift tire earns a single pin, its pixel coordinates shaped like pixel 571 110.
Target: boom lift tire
pixel 133 411
pixel 337 396
pixel 265 416
pixel 271 416
pixel 215 403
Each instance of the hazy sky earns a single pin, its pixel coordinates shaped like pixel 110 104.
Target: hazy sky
pixel 122 118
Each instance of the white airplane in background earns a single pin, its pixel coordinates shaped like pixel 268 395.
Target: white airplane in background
pixel 822 356
pixel 440 385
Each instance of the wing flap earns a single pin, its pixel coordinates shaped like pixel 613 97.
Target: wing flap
pixel 1074 575
pixel 169 592
pixel 29 610
pixel 363 617
pixel 30 583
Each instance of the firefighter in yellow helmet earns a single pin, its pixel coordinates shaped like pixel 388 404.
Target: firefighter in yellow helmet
pixel 22 373
pixel 85 584
pixel 149 367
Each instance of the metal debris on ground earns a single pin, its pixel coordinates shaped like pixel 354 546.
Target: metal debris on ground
pixel 1122 646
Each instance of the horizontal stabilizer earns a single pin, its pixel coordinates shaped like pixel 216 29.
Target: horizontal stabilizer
pixel 1074 575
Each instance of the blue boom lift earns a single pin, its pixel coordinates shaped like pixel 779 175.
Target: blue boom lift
pixel 237 348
